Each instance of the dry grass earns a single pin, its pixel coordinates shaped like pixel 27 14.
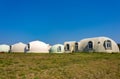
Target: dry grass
pixel 60 66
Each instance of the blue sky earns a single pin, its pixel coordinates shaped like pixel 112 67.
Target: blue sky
pixel 56 21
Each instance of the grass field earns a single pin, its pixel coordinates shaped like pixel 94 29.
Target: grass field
pixel 60 66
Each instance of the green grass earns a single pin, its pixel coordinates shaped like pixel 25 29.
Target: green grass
pixel 60 66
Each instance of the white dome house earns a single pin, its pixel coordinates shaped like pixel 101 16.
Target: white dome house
pixel 37 47
pixel 4 48
pixel 58 48
pixel 98 44
pixel 18 47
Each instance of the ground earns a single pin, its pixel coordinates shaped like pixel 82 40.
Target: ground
pixel 60 66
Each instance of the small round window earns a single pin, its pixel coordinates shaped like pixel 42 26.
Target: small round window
pixel 99 42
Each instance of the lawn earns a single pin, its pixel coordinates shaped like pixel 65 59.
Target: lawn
pixel 60 66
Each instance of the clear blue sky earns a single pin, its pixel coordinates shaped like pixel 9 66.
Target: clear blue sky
pixel 56 21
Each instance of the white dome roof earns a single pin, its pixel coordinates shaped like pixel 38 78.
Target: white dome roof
pixel 39 43
pixel 19 43
pixel 102 37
